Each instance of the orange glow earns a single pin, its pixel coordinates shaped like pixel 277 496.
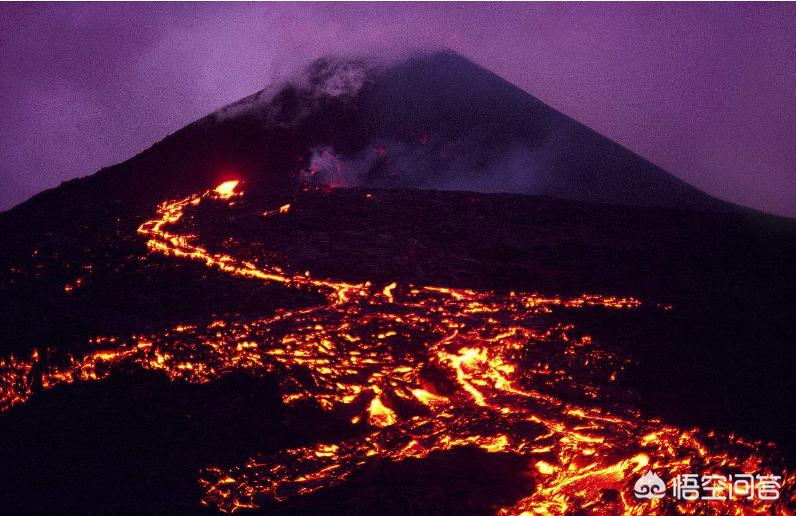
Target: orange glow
pixel 428 398
pixel 509 371
pixel 387 291
pixel 380 415
pixel 545 468
pixel 226 189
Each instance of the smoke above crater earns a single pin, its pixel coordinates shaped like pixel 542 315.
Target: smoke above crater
pixel 698 89
pixel 439 121
pixel 391 163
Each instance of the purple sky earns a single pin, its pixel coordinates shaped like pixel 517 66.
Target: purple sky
pixel 707 91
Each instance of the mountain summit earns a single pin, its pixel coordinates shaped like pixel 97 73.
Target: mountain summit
pixel 443 122
pixel 212 314
pixel 434 121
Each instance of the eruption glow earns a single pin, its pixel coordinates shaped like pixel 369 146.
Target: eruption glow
pixel 420 369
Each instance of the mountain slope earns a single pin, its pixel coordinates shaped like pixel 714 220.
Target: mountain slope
pixel 436 121
pixel 193 339
pixel 487 135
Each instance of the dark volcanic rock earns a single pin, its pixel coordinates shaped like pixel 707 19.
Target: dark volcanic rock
pixel 73 267
pixel 461 481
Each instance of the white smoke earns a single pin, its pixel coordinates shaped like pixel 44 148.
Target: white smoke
pixel 393 163
pixel 327 168
pixel 329 77
pixel 334 77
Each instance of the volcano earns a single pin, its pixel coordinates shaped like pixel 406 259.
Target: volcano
pixel 405 288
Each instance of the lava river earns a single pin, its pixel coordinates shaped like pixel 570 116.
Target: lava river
pixel 419 369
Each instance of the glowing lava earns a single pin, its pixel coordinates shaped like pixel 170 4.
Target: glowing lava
pixel 421 369
pixel 226 189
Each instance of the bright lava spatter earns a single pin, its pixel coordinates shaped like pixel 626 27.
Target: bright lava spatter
pixel 424 369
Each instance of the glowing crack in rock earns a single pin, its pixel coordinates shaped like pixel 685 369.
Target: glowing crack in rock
pixel 420 369
pixel 226 189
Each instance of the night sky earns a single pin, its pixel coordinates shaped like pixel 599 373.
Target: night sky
pixel 707 91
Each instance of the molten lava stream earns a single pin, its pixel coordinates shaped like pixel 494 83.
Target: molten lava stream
pixel 425 369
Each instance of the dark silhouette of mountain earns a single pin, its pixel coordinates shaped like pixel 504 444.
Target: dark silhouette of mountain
pixel 73 267
pixel 434 121
pixel 481 133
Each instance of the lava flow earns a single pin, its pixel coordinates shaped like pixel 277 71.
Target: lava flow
pixel 416 370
